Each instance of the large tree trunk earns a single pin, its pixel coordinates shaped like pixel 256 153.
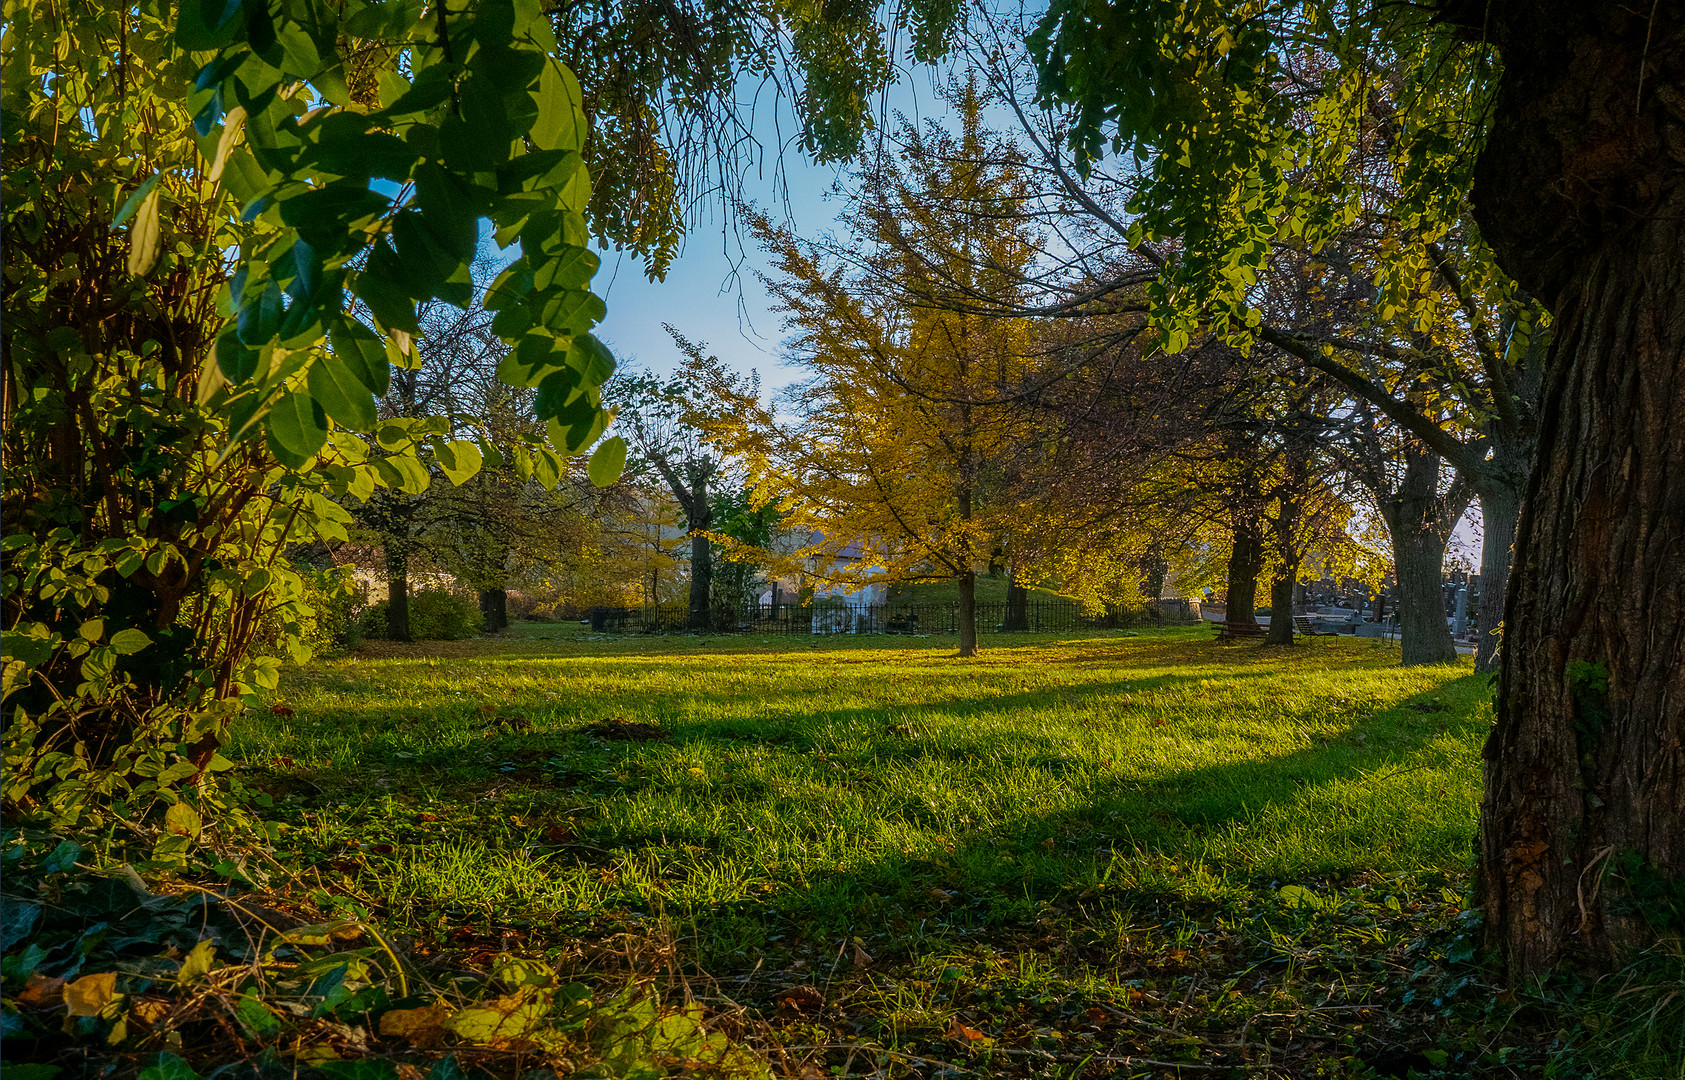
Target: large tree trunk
pixel 701 556
pixel 1246 559
pixel 968 613
pixel 397 592
pixel 1500 505
pixel 1418 556
pixel 494 609
pixel 1581 191
pixel 1419 520
pixel 1017 618
pixel 1585 803
pixel 1281 610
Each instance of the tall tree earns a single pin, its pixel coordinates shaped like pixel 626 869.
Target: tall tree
pixel 1560 124
pixel 655 414
pixel 900 430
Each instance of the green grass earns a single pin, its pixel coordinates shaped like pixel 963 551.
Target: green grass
pixel 1023 844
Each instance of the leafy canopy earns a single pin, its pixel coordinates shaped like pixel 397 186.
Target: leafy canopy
pixel 1245 116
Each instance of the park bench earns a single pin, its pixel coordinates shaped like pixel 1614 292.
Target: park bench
pixel 1302 625
pixel 1234 631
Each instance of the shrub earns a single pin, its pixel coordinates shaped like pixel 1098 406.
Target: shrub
pixel 435 615
pixel 335 599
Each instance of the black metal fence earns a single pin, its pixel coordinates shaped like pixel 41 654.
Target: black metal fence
pixel 1036 616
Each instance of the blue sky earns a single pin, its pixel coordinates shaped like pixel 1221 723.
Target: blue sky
pixel 701 296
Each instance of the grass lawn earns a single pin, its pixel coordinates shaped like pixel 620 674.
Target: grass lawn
pixel 1067 857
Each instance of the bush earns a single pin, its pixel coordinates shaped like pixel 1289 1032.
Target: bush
pixel 435 615
pixel 335 598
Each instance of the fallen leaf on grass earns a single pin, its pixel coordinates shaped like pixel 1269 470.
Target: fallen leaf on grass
pixel 802 999
pixel 499 1020
pixel 280 710
pixel 862 958
pixel 150 1011
pixel 961 1033
pixel 324 933
pixel 41 992
pixel 90 994
pixel 423 1027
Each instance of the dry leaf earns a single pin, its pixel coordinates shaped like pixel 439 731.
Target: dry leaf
pixel 89 995
pixel 802 999
pixel 941 896
pixel 150 1011
pixel 966 1034
pixel 861 957
pixel 422 1027
pixel 41 992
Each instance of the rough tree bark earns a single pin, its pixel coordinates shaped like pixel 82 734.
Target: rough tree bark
pixel 1580 189
pixel 494 609
pixel 968 613
pixel 1499 508
pixel 1419 520
pixel 1246 559
pixel 700 517
pixel 1017 606
pixel 1290 495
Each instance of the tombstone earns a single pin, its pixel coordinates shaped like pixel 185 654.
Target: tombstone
pixel 1460 621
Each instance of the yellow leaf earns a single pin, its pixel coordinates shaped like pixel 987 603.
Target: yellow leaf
pixel 144 235
pixel 89 995
pixel 230 130
pixel 324 933
pixel 198 962
pixel 182 820
pixel 422 1027
pixel 507 1017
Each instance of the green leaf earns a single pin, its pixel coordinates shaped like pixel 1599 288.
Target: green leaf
pixel 236 362
pixel 130 641
pixel 146 235
pixel 403 473
pixel 206 24
pixel 607 462
pixel 255 1016
pixel 478 141
pixel 326 215
pixel 133 202
pixel 507 1017
pixel 363 354
pixel 167 1066
pixel 459 459
pixel 561 114
pixel 297 429
pixel 381 286
pixel 298 53
pixel 1297 896
pixel 451 207
pixel 182 820
pixel 341 393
